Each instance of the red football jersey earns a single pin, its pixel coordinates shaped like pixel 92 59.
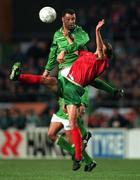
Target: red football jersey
pixel 86 68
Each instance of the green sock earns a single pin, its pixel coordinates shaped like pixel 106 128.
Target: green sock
pixel 68 147
pixel 81 126
pixel 65 145
pixel 100 84
pixel 87 158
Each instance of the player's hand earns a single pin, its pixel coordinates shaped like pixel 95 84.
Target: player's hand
pixel 64 109
pixel 100 24
pixel 60 57
pixel 45 74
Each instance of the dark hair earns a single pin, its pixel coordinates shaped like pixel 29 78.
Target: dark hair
pixel 68 11
pixel 109 50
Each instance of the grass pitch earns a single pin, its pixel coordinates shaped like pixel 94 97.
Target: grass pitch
pixel 107 169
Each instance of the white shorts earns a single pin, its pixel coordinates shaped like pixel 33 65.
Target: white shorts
pixel 65 122
pixel 64 72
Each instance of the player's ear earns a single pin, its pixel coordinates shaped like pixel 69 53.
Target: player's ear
pixel 62 19
pixel 108 50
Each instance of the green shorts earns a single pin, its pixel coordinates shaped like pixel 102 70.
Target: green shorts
pixel 60 113
pixel 70 92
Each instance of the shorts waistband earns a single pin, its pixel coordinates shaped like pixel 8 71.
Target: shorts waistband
pixel 73 82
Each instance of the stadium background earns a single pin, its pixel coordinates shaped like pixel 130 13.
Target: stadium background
pixel 23 37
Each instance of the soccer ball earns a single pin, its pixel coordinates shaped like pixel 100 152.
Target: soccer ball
pixel 47 14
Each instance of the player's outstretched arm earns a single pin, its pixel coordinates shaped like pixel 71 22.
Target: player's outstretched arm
pixel 79 41
pixel 99 41
pixel 51 62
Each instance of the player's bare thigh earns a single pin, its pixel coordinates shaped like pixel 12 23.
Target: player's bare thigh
pixel 72 114
pixel 54 128
pixel 68 136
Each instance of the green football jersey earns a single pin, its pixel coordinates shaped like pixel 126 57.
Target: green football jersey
pixel 60 43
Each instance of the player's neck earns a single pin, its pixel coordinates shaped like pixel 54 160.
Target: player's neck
pixel 65 30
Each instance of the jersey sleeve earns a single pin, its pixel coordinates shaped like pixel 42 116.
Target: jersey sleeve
pixel 52 55
pixel 80 41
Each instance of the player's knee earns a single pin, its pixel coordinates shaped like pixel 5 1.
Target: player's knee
pixel 69 139
pixel 51 135
pixel 42 80
pixel 73 124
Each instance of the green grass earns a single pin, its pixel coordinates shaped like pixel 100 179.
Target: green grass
pixel 110 169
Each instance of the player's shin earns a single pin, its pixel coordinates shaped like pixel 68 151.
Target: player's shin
pixel 100 84
pixel 87 158
pixel 75 131
pixel 81 126
pixel 65 145
pixel 77 140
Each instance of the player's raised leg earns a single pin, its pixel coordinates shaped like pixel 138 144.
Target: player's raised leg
pixel 31 79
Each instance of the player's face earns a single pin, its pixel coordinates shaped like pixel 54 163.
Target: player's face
pixel 104 48
pixel 69 21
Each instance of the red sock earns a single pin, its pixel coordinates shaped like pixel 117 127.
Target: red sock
pixel 77 140
pixel 30 78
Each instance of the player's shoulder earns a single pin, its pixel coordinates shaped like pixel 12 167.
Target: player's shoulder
pixel 79 28
pixel 58 35
pixel 58 32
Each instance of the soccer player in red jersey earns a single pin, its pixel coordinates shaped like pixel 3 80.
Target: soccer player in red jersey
pixel 90 65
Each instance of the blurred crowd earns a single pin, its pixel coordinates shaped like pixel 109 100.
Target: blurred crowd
pixel 115 118
pixel 121 29
pixel 29 118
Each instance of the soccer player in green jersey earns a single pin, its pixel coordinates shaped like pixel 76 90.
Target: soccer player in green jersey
pixel 60 119
pixel 60 42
